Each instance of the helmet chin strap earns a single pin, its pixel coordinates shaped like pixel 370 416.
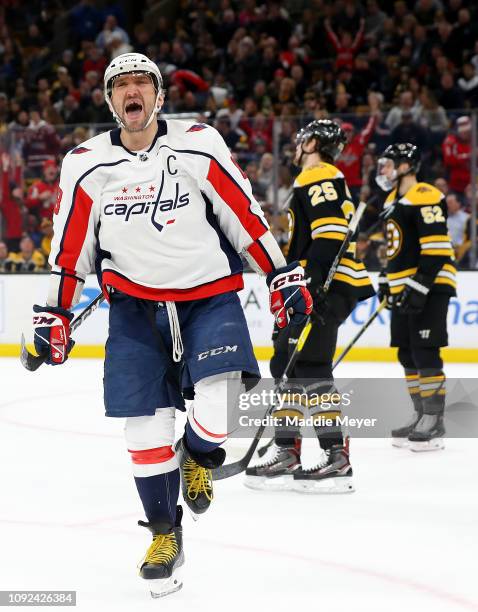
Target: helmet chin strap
pixel 121 124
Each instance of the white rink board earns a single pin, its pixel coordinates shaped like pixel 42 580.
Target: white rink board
pixel 19 292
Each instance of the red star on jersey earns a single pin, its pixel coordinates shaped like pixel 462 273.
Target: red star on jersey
pixel 151 187
pixel 125 189
pixel 138 189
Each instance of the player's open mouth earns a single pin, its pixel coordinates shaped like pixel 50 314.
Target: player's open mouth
pixel 133 110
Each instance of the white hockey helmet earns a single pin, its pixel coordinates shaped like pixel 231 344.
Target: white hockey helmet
pixel 132 63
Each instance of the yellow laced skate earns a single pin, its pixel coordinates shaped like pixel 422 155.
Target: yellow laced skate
pixel 196 476
pixel 164 558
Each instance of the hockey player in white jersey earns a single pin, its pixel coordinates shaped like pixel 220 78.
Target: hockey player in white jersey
pixel 163 212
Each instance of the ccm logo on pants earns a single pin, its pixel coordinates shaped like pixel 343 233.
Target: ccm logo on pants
pixel 217 351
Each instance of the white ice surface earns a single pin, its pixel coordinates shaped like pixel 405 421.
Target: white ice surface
pixel 406 540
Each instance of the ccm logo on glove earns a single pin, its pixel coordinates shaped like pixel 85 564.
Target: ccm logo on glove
pixel 290 300
pixel 285 281
pixel 52 333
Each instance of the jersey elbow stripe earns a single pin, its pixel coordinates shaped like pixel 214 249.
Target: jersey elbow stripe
pixel 329 221
pixel 260 255
pixel 328 235
pixel 435 238
pixel 234 197
pixel 350 280
pixel 445 252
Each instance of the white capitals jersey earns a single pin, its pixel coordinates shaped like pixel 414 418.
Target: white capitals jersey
pixel 164 224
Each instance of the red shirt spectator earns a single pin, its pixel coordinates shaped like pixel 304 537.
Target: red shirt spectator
pixel 41 142
pixel 345 48
pixel 350 162
pixel 457 155
pixel 10 206
pixel 41 196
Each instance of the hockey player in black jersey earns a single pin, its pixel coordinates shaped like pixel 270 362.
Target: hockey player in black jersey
pixel 418 282
pixel 319 212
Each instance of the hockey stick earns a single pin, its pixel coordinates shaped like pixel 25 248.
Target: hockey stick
pixel 32 362
pixel 364 327
pixel 231 469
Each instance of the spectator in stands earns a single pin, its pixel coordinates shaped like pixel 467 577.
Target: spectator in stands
pixel 409 131
pixel 405 105
pixel 442 184
pixel 456 150
pixel 350 161
pixel 97 111
pixel 258 188
pixel 432 116
pixel 46 228
pixel 265 174
pixel 456 220
pixel 346 48
pixel 110 27
pixel 41 196
pixel 223 126
pixel 450 96
pixel 28 259
pixel 11 203
pixel 284 191
pixel 41 143
pixel 468 83
pixel 70 111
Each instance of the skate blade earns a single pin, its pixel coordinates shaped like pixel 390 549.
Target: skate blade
pixel 165 586
pixel 431 445
pixel 263 483
pixel 342 484
pixel 400 442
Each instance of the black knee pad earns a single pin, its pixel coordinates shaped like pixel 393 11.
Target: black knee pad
pixel 427 358
pixel 405 357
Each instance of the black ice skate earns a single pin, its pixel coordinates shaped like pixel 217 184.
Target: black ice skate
pixel 400 435
pixel 428 434
pixel 275 470
pixel 196 476
pixel 332 475
pixel 162 564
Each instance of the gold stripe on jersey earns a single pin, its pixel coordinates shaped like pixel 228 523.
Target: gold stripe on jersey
pixel 444 252
pixel 315 174
pixel 329 221
pixel 402 274
pixel 329 235
pixel 398 280
pixel 355 265
pixel 435 238
pixel 355 282
pixel 436 245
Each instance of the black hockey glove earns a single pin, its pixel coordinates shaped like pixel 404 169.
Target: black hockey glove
pixel 383 292
pixel 413 298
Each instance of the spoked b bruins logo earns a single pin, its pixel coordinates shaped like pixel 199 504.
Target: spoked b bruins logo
pixel 394 239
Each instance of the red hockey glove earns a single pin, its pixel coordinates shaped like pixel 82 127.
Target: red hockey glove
pixel 290 300
pixel 51 328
